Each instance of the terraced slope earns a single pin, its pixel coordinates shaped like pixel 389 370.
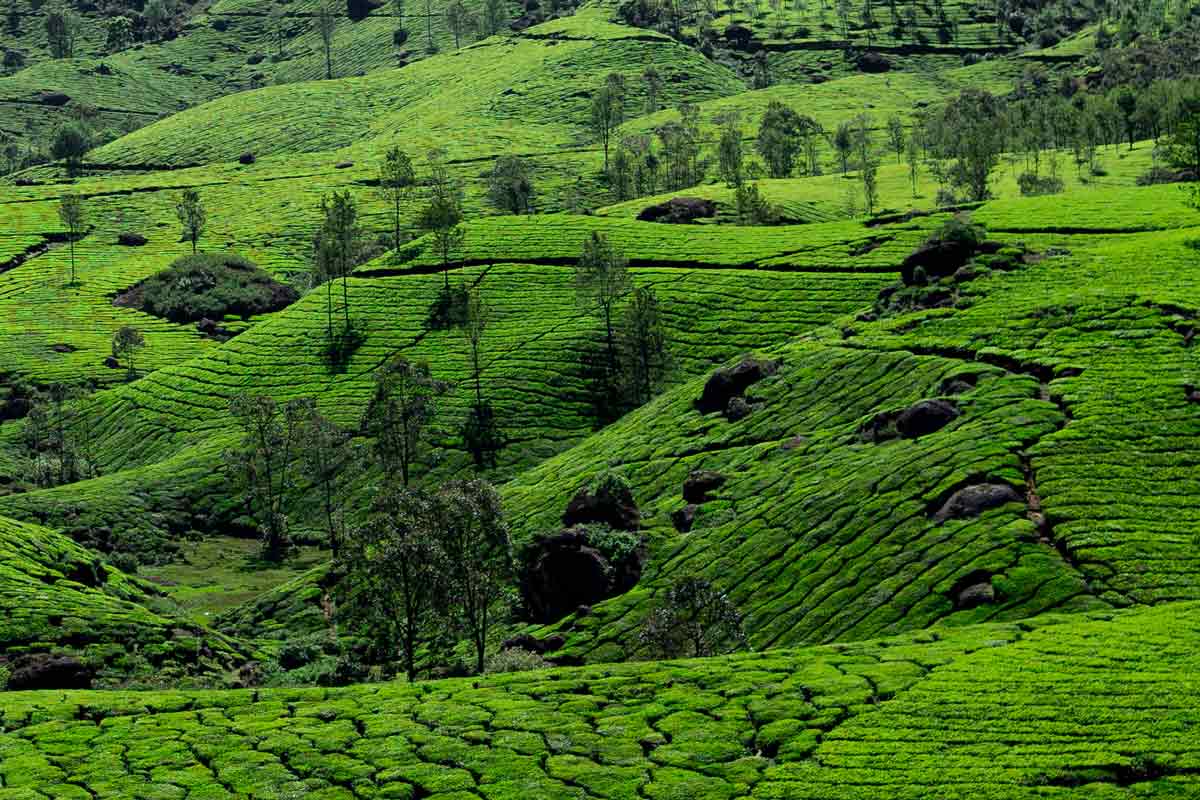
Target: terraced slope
pixel 167 430
pixel 60 598
pixel 1041 709
pixel 1079 396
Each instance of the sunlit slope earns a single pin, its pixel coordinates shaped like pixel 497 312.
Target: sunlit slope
pixel 1044 709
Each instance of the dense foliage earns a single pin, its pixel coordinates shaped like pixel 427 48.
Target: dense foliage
pixel 210 286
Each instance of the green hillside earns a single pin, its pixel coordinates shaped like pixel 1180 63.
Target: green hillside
pixel 693 401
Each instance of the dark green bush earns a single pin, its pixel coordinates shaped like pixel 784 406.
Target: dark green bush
pixel 209 286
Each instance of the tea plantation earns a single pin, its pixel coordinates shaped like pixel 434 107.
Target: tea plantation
pixel 692 400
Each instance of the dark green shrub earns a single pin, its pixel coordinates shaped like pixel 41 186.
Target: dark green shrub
pixel 449 308
pixel 209 286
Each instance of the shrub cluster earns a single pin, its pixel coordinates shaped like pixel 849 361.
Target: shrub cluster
pixel 209 286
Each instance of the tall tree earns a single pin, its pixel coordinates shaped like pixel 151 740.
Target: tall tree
pixel 693 619
pixel 71 143
pixel 192 217
pixel 62 29
pixel 336 248
pixel 971 138
pixel 73 215
pixel 265 461
pixel 843 143
pixel 643 344
pixel 654 85
pixel 326 20
pixel 460 20
pixel 510 185
pixel 602 278
pixel 480 432
pixel 393 572
pixel 118 33
pixel 729 148
pixel 896 136
pixel 608 111
pixel 442 216
pixel 126 343
pixel 475 540
pixel 400 414
pixel 397 178
pixel 276 18
pixel 495 16
pixel 779 139
pixel 398 12
pixel 326 455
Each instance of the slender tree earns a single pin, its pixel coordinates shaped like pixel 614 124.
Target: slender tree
pixel 608 111
pixel 442 216
pixel 326 455
pixel 394 573
pixel 62 29
pixel 896 137
pixel 602 278
pixel 397 178
pixel 643 344
pixel 475 540
pixel 729 148
pixel 73 215
pixel 654 85
pixel 192 217
pixel 326 20
pixel 336 248
pixel 126 343
pixel 401 413
pixel 480 432
pixel 779 139
pixel 265 460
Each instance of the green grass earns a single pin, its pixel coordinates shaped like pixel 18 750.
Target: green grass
pixel 998 711
pixel 216 574
pixel 62 598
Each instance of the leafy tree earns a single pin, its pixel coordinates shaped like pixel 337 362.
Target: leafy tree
pixel 442 216
pixel 326 455
pixel 654 85
pixel 620 173
pixel 396 181
pixel 58 436
pixel 326 21
pixel 694 619
pixel 480 433
pixel 729 148
pixel 401 413
pixel 392 570
pixel 460 20
pixel 70 144
pixel 12 19
pixel 62 29
pixel 843 143
pixel 336 249
pixel 13 61
pixel 602 277
pixel 608 111
pixel 475 540
pixel 430 45
pixel 192 217
pixel 644 344
pixel 752 207
pixel 510 186
pixel 126 342
pixel 495 16
pixel 971 137
pixel 896 136
pixel 265 461
pixel 276 18
pixel 1183 145
pixel 73 214
pixel 157 14
pixel 118 33
pixel 779 139
pixel 398 12
pixel 912 154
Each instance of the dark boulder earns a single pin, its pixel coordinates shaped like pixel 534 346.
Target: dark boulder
pixel 873 62
pixel 564 571
pixel 129 239
pixel 45 671
pixel 738 409
pixel 739 37
pixel 111 363
pixel 973 589
pixel 971 501
pixel 399 37
pixel 685 518
pixel 925 417
pixel 246 158
pixel 343 165
pixel 936 259
pixel 609 503
pixel 54 99
pixel 63 348
pixel 699 483
pixel 730 382
pixel 679 211
pixel 533 644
